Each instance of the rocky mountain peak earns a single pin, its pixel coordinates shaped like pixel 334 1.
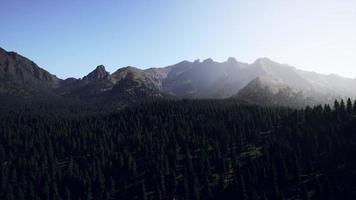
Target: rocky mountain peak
pixel 263 60
pixel 209 60
pixel 98 74
pixel 207 79
pixel 100 68
pixel 232 60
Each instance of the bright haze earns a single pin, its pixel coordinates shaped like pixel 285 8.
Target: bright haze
pixel 71 37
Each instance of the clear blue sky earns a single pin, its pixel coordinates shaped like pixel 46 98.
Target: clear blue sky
pixel 71 37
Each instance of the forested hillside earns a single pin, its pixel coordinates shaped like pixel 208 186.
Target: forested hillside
pixel 190 149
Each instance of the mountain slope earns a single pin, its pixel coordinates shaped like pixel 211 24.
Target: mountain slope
pixel 280 84
pixel 20 76
pixel 124 87
pixel 268 91
pixel 207 79
pixel 284 85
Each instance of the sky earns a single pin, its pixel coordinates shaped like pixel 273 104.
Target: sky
pixel 70 38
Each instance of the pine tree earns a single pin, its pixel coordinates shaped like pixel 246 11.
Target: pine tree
pixel 349 106
pixel 342 106
pixel 336 105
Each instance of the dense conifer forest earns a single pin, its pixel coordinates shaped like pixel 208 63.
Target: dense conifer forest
pixel 189 149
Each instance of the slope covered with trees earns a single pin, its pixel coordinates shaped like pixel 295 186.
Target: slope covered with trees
pixel 178 150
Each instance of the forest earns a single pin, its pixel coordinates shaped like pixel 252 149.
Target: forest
pixel 185 149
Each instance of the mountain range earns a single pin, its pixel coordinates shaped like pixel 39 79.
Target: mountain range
pixel 263 82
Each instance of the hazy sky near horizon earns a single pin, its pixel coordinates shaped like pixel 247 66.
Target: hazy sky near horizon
pixel 70 37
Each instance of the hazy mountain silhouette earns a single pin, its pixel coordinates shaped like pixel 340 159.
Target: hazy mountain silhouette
pixel 262 82
pixel 269 91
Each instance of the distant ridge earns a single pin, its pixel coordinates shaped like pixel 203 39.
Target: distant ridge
pixel 280 84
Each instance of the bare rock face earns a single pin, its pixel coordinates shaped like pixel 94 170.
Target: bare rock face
pixel 98 74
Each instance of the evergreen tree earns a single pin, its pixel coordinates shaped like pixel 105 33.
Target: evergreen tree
pixel 206 149
pixel 349 106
